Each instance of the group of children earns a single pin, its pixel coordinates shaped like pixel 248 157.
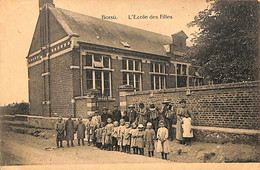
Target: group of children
pixel 116 136
pixel 121 136
pixel 129 137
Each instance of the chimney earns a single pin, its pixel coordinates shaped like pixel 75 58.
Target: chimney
pixel 43 3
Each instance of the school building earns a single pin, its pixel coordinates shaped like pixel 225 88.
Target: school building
pixel 71 54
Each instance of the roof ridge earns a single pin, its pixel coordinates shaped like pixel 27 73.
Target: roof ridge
pixel 111 22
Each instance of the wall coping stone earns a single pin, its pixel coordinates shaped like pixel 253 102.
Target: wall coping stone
pixel 199 88
pixel 226 130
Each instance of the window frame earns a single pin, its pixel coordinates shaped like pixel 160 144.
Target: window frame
pixel 94 69
pixel 135 72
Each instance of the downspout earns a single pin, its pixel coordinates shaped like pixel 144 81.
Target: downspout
pixel 48 52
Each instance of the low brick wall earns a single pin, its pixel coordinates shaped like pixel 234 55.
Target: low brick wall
pixel 234 105
pixel 224 135
pixel 47 122
pixel 201 134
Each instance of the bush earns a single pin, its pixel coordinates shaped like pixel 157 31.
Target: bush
pixel 16 108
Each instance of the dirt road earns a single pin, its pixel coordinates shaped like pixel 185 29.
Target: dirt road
pixel 24 149
pixel 20 149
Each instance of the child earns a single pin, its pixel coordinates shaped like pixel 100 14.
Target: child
pixel 98 133
pixel 69 128
pixel 103 130
pixel 89 127
pixel 133 133
pixel 80 128
pixel 163 143
pixel 126 138
pixel 187 131
pixel 149 137
pixel 109 129
pixel 140 139
pixel 115 136
pixel 121 129
pixel 59 127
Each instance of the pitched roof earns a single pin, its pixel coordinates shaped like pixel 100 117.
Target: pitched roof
pixel 180 33
pixel 107 33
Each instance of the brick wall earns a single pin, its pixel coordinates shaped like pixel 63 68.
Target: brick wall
pixel 36 89
pixel 226 105
pixel 61 84
pixel 117 78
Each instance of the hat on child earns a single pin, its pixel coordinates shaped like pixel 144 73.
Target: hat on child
pixel 140 126
pixel 149 124
pixel 161 122
pixel 131 106
pixel 165 101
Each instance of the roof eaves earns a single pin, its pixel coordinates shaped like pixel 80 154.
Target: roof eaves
pixel 124 49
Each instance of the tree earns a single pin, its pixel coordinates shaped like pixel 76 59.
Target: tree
pixel 15 108
pixel 226 46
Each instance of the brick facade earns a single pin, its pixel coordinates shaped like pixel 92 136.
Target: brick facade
pixel 225 105
pixel 61 85
pixel 58 71
pixel 36 89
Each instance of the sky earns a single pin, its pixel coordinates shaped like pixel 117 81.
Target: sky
pixel 18 20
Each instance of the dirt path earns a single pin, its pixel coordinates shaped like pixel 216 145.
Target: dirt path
pixel 24 149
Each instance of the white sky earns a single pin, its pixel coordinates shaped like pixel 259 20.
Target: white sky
pixel 18 20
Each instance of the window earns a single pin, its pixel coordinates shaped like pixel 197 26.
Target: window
pixel 106 61
pixel 137 65
pixel 106 83
pixel 133 79
pixel 162 68
pixel 184 68
pixel 89 60
pixel 96 60
pixel 157 82
pixel 98 81
pixel 162 82
pixel 124 78
pixel 156 67
pixel 97 76
pixel 89 79
pixel 124 64
pixel 157 79
pixel 152 82
pixel 97 57
pixel 178 68
pixel 130 65
pixel 130 77
pixel 181 81
pixel 151 67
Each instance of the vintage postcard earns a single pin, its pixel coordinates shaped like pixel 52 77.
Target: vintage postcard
pixel 95 84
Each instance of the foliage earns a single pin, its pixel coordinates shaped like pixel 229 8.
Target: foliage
pixel 16 108
pixel 226 46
